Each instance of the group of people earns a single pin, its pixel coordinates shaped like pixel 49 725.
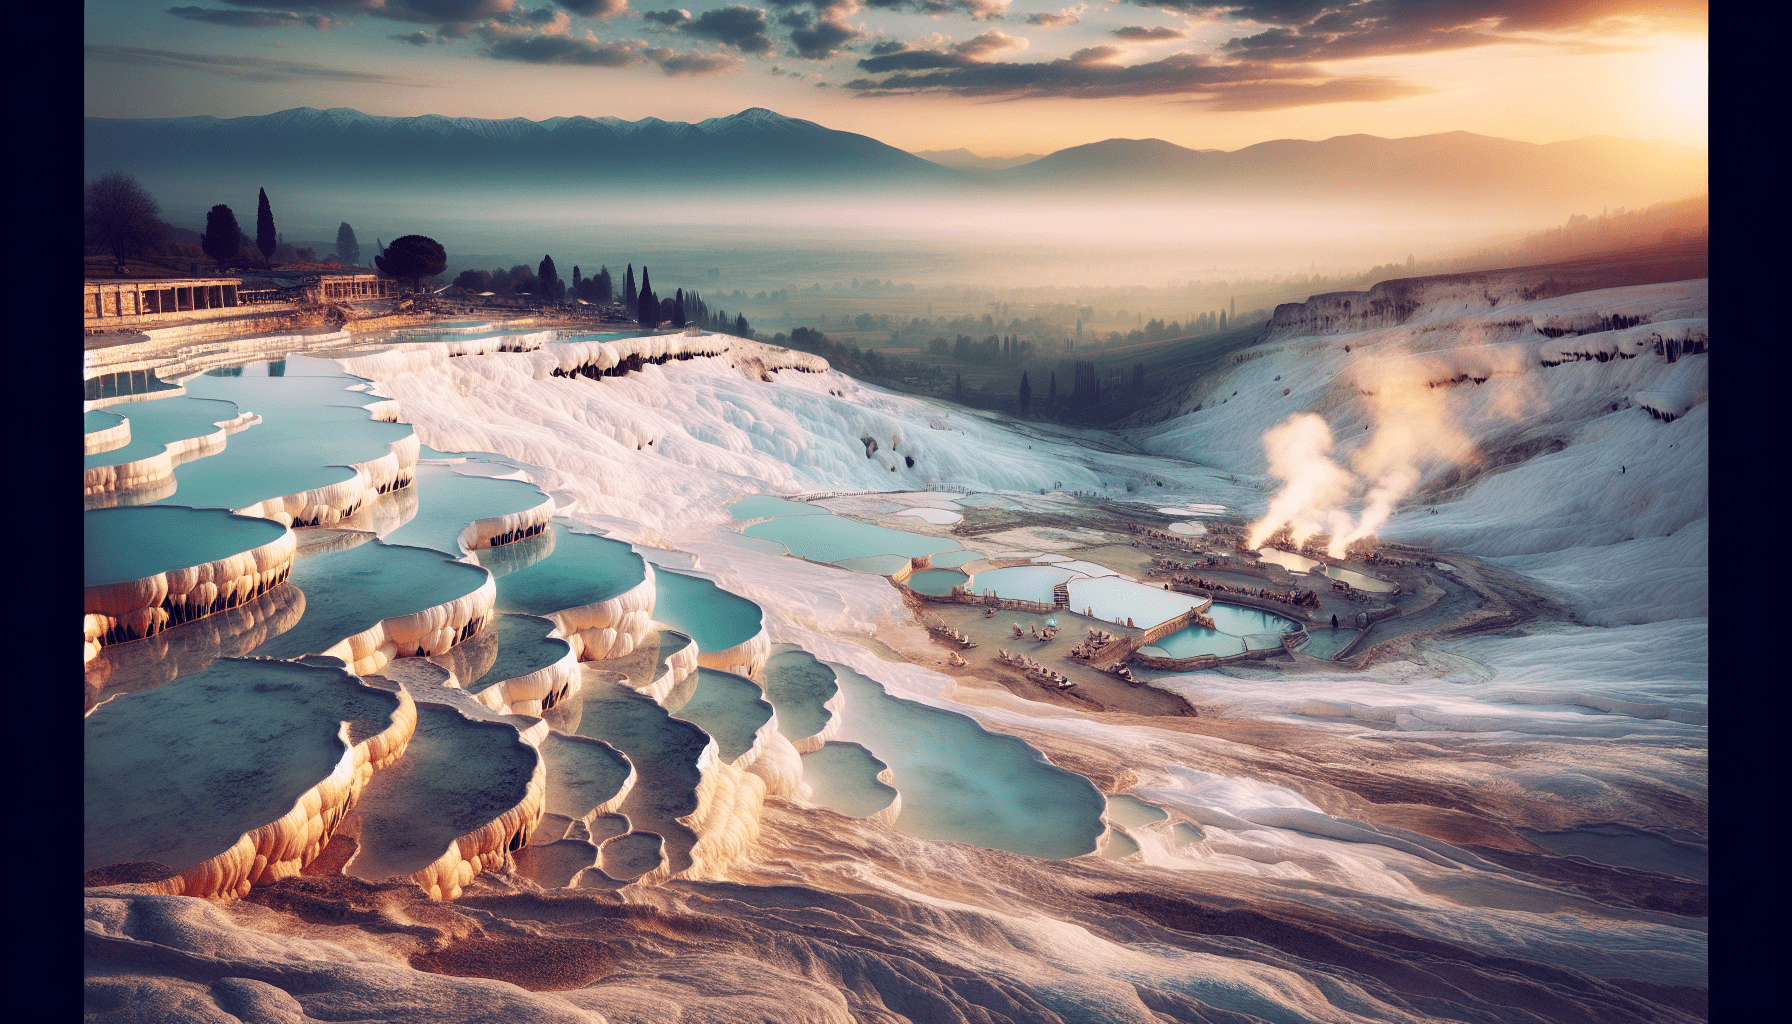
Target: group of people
pixel 1035 669
pixel 1089 648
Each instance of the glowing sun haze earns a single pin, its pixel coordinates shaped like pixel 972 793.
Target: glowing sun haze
pixel 998 78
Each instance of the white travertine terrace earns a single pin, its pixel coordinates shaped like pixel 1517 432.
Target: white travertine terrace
pixel 130 610
pixel 743 659
pixel 414 355
pixel 324 506
pixel 530 693
pixel 153 469
pixel 107 438
pixel 611 628
pixel 513 526
pixel 489 845
pixel 280 848
pixel 420 634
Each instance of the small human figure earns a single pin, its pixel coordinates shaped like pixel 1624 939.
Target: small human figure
pixel 1620 470
pixel 1334 622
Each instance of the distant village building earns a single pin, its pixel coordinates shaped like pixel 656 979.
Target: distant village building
pixel 151 299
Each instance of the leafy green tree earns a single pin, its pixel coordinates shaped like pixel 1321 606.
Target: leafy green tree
pixel 347 249
pixel 223 236
pixel 121 216
pixel 266 238
pixel 413 258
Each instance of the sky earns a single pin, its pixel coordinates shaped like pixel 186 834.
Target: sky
pixel 996 77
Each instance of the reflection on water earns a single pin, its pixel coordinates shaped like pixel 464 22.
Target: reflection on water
pixel 843 777
pixel 962 783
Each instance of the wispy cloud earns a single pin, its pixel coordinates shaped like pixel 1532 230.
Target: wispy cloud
pixel 248 69
pixel 1138 34
pixel 1067 16
pixel 255 19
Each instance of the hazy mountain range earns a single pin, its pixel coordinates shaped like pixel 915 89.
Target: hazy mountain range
pixel 759 148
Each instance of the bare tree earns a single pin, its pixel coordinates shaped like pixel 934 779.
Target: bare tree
pixel 121 215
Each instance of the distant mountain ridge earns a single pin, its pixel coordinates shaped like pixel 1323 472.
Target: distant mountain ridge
pixel 762 149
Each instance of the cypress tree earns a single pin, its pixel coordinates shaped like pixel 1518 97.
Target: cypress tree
pixel 1222 319
pixel 549 276
pixel 647 304
pixel 958 386
pixel 1026 393
pixel 605 287
pixel 575 282
pixel 347 249
pixel 1052 395
pixel 266 238
pixel 629 295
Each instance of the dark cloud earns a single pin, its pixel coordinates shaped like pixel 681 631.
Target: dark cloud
pixel 1137 34
pixel 565 49
pixel 888 46
pixel 1089 73
pixel 438 12
pixel 253 19
pixel 248 69
pixel 418 38
pixel 602 10
pixel 1350 29
pixel 738 26
pixel 818 39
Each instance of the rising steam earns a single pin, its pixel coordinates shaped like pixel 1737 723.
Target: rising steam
pixel 1411 428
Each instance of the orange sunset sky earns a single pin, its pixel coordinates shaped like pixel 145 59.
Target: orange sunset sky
pixel 997 78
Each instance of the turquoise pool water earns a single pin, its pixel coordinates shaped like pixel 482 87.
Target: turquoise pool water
pixel 523 647
pixel 1288 559
pixel 96 420
pixel 1119 846
pixel 455 776
pixel 843 777
pixel 156 424
pixel 877 565
pixel 664 752
pixel 727 707
pixel 349 591
pixel 763 505
pixel 1131 812
pixel 176 774
pixel 936 581
pixel 953 559
pixel 962 783
pixel 706 613
pixel 121 544
pixel 1186 643
pixel 798 686
pixel 584 569
pixel 1022 582
pixel 447 501
pixel 1241 621
pixel 1324 642
pixel 1360 581
pixel 832 538
pixel 1115 600
pixel 505 559
pixel 311 432
pixel 612 336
